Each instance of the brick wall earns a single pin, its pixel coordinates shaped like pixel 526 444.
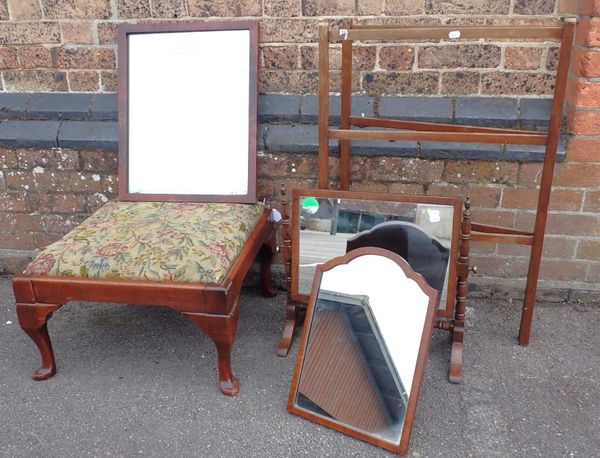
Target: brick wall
pixel 69 45
pixel 60 45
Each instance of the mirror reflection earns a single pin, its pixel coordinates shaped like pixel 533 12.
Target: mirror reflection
pixel 363 345
pixel 419 232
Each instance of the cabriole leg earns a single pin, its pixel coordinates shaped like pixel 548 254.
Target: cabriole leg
pixel 33 319
pixel 221 329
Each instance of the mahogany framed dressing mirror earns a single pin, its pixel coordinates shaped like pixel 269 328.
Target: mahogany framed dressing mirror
pixel 364 347
pixel 342 215
pixel 196 82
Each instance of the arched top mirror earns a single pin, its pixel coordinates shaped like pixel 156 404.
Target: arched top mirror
pixel 188 111
pixel 364 347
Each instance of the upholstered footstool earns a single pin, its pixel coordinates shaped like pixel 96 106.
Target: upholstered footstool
pixel 191 257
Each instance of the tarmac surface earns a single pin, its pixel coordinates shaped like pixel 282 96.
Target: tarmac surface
pixel 142 381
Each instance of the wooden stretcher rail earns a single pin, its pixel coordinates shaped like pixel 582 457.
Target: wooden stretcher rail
pixel 460 137
pixel 431 126
pixel 446 32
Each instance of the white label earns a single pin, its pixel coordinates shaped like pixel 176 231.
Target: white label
pixel 454 34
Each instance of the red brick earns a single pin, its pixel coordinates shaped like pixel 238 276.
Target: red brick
pixel 22 10
pixel 496 266
pixel 517 83
pixel 589 249
pixel 402 169
pixel 102 161
pixel 34 57
pixel 30 32
pixel 584 122
pixel 12 202
pixel 584 94
pixel 79 32
pixel 208 8
pixel 584 149
pixel 77 182
pixel 481 248
pixel 57 203
pixel 8 158
pixel 169 8
pixel 7 221
pixel 19 180
pixel 462 171
pixel 552 58
pixel 405 188
pixel 284 57
pixel 564 224
pixel 568 6
pixel 593 275
pixel 8 57
pixel 502 218
pixel 404 7
pixel 534 7
pixel 84 81
pixel 35 81
pixel 460 83
pixel 369 187
pixel 84 58
pixel 586 63
pixel 326 8
pixel 108 81
pixel 589 8
pixel 530 173
pixel 554 247
pixel 133 8
pixel 62 224
pixel 588 32
pixel 108 33
pixel 577 175
pixel 43 239
pixel 279 8
pixel 563 270
pixel 17 240
pixel 522 57
pixel 28 222
pixel 60 9
pixel 560 199
pixel 466 56
pixel 396 57
pixel 592 201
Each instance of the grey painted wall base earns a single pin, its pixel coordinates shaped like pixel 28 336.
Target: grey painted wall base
pixel 288 123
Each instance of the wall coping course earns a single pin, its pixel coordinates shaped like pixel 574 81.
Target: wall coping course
pixel 288 123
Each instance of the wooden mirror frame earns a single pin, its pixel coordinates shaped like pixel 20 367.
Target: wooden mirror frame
pixel 402 447
pixel 125 31
pixel 450 299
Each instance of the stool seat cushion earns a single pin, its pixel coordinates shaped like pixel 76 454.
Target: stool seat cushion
pixel 185 242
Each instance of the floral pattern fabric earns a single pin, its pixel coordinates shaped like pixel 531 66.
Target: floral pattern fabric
pixel 187 242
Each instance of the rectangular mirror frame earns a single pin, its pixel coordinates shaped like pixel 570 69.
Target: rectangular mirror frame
pixel 125 30
pixel 448 303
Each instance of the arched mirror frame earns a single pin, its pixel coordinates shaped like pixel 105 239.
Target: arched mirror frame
pixel 402 446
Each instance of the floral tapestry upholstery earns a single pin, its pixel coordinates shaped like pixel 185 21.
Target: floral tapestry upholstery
pixel 186 242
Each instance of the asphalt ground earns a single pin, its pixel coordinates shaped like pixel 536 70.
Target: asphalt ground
pixel 142 381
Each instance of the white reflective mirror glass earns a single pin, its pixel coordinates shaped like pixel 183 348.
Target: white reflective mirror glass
pixel 329 227
pixel 188 112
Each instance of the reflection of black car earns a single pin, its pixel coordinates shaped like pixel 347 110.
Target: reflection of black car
pixel 302 222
